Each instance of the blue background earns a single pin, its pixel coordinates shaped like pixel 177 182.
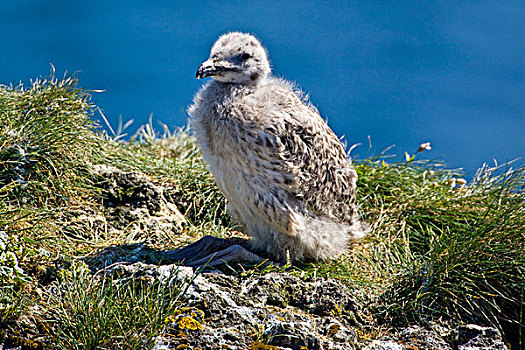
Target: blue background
pixel 401 72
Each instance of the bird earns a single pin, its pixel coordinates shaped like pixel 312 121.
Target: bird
pixel 286 176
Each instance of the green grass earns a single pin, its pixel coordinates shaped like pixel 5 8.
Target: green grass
pixel 461 251
pixel 434 251
pixel 46 143
pixel 86 312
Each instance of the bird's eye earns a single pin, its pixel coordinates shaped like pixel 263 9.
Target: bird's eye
pixel 245 56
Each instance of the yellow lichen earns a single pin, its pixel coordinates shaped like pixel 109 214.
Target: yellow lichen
pixel 197 313
pixel 186 318
pixel 188 322
pixel 256 345
pixel 336 311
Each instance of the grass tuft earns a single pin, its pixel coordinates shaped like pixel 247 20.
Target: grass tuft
pixel 47 141
pixel 108 313
pixel 437 250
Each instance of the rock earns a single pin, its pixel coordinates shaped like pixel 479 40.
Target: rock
pixel 281 311
pixel 235 312
pixel 384 345
pixel 132 207
pixel 128 189
pixel 416 337
pixel 464 337
pixel 133 202
pixel 9 346
pixel 473 337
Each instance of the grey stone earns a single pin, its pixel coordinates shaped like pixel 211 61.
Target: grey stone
pixel 384 345
pixel 276 308
pixel 474 337
pixel 422 339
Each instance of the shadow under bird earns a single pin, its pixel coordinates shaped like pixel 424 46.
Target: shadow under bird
pixel 285 174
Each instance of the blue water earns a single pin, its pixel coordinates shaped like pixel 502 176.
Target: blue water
pixel 401 72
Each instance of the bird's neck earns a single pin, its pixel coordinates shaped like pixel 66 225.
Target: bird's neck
pixel 259 80
pixel 229 87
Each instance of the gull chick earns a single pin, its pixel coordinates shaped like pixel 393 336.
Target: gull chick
pixel 285 174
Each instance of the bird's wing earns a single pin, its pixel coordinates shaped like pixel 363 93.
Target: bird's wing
pixel 295 160
pixel 272 203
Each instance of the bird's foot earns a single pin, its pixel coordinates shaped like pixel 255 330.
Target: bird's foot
pixel 211 251
pixel 232 254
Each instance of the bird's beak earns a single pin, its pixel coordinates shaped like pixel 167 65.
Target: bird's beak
pixel 206 69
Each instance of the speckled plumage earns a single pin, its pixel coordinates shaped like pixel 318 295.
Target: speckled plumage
pixel 283 171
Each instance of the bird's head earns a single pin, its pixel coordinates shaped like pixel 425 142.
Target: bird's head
pixel 236 58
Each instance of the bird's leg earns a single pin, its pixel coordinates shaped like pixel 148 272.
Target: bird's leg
pixel 213 251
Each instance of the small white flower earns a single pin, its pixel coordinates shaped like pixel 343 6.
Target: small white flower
pixel 424 146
